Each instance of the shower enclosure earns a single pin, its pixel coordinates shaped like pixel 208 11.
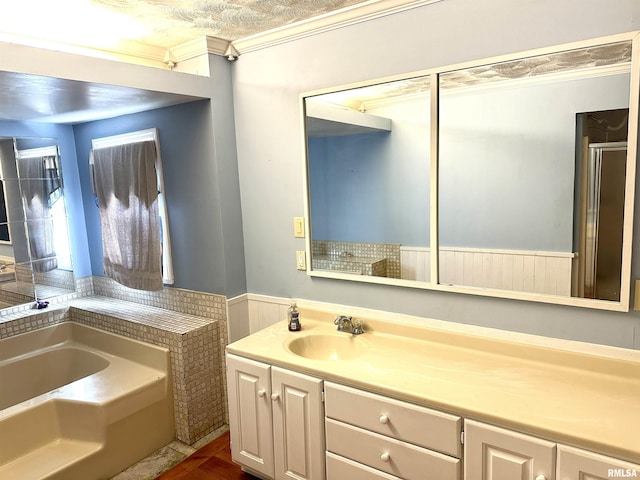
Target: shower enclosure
pixel 604 220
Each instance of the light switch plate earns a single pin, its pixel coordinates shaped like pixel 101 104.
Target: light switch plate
pixel 301 261
pixel 298 227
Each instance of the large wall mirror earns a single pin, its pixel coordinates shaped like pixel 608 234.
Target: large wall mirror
pixel 509 177
pixel 35 255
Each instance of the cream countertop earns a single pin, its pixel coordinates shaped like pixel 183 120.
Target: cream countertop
pixel 572 396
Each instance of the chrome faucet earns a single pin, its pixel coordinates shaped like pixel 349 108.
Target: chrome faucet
pixel 348 324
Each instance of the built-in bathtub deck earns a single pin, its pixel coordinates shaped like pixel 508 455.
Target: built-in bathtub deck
pixel 196 355
pixel 192 325
pixel 86 425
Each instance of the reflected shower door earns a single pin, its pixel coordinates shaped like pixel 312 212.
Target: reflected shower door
pixel 605 215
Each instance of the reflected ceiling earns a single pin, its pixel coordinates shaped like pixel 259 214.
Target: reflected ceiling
pixel 54 100
pixel 580 60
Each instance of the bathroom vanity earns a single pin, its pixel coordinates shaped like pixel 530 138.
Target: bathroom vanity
pixel 413 402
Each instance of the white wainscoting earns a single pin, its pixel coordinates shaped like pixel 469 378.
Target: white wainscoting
pixel 518 270
pixel 415 263
pixel 250 312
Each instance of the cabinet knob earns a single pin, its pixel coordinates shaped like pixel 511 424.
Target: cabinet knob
pixel 275 397
pixel 262 392
pixel 383 419
pixel 541 477
pixel 385 457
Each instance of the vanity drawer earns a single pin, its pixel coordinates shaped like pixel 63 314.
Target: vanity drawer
pixel 389 455
pixel 339 467
pixel 404 421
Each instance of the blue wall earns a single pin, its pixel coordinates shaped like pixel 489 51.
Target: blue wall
pixel 192 182
pixel 374 187
pixel 267 87
pixel 187 150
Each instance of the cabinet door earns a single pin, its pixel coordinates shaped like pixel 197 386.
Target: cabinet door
pixel 493 453
pixel 575 463
pixel 250 419
pixel 298 427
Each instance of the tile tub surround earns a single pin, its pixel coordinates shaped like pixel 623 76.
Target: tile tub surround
pixel 24 308
pixel 191 324
pixel 190 302
pixel 351 264
pixel 194 343
pixel 388 251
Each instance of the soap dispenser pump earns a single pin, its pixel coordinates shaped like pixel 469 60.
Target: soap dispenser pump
pixel 294 317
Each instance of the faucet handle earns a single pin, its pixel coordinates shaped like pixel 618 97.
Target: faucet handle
pixel 358 326
pixel 341 319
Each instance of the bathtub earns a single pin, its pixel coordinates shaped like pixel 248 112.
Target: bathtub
pixel 80 403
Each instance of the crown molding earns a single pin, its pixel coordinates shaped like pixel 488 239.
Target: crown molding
pixel 352 15
pixel 150 55
pixel 200 46
pixel 126 50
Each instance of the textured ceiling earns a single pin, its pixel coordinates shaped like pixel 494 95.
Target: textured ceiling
pixel 156 23
pixel 172 22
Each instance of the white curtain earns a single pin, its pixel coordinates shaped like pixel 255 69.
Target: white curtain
pixel 125 184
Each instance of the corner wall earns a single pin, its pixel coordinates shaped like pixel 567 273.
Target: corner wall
pixel 192 181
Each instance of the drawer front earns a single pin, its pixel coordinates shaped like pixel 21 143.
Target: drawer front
pixel 388 455
pixel 340 468
pixel 404 421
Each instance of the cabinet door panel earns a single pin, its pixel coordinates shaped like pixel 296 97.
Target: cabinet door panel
pixel 575 463
pixel 250 419
pixel 493 453
pixel 298 428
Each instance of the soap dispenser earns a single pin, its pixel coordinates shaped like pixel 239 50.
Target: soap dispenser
pixel 294 317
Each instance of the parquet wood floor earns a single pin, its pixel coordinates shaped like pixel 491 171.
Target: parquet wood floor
pixel 213 461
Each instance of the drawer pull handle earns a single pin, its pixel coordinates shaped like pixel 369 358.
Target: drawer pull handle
pixel 275 397
pixel 262 392
pixel 385 457
pixel 384 420
pixel 541 477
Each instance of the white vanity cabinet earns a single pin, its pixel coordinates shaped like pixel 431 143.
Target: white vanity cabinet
pixel 374 437
pixel 576 463
pixel 492 453
pixel 275 420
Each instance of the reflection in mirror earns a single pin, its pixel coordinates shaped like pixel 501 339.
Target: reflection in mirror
pixel 532 157
pixel 37 261
pixel 535 165
pixel 368 178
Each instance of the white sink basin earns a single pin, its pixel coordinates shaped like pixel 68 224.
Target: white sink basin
pixel 342 346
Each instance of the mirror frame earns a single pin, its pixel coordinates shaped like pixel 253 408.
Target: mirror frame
pixel 622 305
